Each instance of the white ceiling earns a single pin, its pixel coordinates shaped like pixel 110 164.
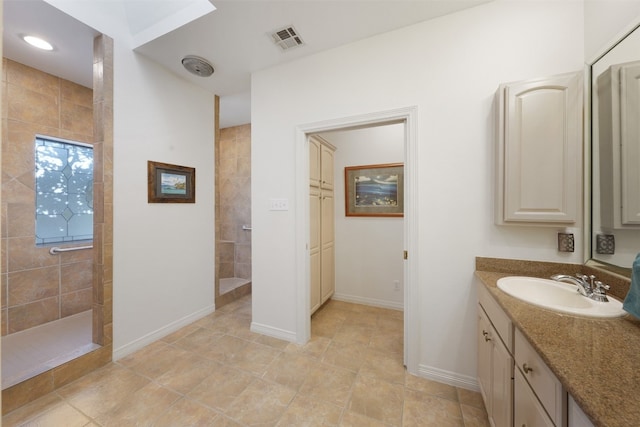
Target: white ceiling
pixel 235 37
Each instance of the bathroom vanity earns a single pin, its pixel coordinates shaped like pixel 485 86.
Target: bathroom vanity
pixel 538 367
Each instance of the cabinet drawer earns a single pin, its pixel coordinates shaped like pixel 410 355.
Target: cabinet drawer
pixel 544 383
pixel 528 411
pixel 498 317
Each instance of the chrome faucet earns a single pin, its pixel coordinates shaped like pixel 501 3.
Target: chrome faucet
pixel 588 286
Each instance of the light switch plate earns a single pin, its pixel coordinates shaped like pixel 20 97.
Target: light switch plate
pixel 278 204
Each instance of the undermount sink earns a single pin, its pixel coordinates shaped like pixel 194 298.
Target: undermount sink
pixel 558 296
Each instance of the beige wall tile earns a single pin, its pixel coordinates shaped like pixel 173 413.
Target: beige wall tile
pixel 26 391
pixel 32 79
pixel 76 276
pixel 76 118
pixel 28 286
pixel 32 107
pixel 18 149
pixel 75 302
pixel 243 253
pixel 76 94
pixel 20 220
pixel 4 296
pixel 19 191
pixel 29 315
pixel 31 410
pixel 23 254
pixel 227 269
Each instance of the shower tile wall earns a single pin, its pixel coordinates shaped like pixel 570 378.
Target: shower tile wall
pixel 235 201
pixel 38 287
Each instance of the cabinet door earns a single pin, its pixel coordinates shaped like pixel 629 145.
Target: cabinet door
pixel 484 358
pixel 576 417
pixel 314 162
pixel 326 167
pixel 540 151
pixel 314 247
pixel 327 243
pixel 528 412
pixel 502 385
pixel 327 276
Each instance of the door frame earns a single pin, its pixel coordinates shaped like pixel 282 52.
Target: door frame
pixel 408 116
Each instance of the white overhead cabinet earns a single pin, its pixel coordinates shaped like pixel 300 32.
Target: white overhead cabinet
pixel 322 219
pixel 539 153
pixel 618 112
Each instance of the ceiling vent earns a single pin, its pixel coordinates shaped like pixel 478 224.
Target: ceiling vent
pixel 287 38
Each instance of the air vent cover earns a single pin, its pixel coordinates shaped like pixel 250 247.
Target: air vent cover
pixel 287 38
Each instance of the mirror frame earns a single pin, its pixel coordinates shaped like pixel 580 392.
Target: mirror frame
pixel 588 157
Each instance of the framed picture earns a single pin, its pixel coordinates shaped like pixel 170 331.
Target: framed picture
pixel 170 183
pixel 374 190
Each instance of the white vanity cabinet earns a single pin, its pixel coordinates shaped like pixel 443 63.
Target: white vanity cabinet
pixel 577 418
pixel 495 363
pixel 539 398
pixel 539 153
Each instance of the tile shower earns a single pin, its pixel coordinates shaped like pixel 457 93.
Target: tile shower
pixel 233 188
pixel 37 287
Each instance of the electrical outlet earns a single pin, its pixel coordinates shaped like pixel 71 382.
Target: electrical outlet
pixel 396 285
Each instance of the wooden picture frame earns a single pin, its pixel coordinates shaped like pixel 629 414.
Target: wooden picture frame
pixel 374 190
pixel 170 183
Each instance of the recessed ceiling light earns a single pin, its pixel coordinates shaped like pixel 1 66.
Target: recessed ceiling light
pixel 38 42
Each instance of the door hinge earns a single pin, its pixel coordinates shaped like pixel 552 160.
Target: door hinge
pixel 405 255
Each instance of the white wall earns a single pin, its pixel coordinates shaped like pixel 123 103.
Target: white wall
pixel 163 263
pixel 449 68
pixel 604 22
pixel 368 250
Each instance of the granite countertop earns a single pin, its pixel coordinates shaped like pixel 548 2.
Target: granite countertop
pixel 596 360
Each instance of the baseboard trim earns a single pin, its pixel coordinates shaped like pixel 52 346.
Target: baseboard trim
pixel 259 328
pixel 369 301
pixel 447 377
pixel 145 340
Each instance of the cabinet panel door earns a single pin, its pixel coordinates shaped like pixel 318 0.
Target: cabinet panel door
pixel 314 247
pixel 528 412
pixel 327 276
pixel 314 162
pixel 541 150
pixel 315 292
pixel 484 358
pixel 502 385
pixel 327 218
pixel 326 164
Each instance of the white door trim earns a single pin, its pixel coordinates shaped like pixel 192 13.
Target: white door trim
pixel 408 116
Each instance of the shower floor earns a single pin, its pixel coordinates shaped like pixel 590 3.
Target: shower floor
pixel 36 350
pixel 230 283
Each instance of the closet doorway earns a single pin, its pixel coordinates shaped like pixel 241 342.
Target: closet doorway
pixel 353 282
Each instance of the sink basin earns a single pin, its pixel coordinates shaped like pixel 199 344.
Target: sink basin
pixel 558 296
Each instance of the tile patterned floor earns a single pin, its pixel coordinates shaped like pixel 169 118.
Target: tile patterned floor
pixel 215 372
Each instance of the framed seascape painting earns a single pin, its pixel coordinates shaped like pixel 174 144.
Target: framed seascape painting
pixel 170 183
pixel 374 190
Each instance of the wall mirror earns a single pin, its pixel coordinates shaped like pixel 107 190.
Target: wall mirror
pixel 615 154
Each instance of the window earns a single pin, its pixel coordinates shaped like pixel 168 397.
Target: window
pixel 64 191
